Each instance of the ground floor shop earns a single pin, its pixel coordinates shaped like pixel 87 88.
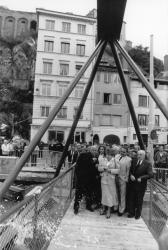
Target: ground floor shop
pixel 61 134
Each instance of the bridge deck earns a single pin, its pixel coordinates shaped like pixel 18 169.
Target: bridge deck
pixel 89 230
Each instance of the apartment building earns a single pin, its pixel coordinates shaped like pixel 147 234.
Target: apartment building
pixel 65 41
pixel 110 109
pixel 111 114
pixel 140 98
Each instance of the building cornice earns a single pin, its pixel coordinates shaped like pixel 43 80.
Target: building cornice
pixel 70 33
pixel 65 15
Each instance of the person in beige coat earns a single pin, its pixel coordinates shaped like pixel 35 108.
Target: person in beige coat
pixel 108 170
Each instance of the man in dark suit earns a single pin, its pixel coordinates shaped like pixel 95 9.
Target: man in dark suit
pixel 85 173
pixel 140 172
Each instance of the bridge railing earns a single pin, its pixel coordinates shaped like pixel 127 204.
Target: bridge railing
pixel 42 158
pixel 161 175
pixel 155 208
pixel 32 223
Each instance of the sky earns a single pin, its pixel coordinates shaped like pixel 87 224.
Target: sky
pixel 143 18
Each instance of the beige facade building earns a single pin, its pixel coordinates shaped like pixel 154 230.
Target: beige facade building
pixel 65 41
pixel 111 115
pixel 140 99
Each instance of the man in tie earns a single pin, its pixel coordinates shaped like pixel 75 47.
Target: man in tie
pixel 140 172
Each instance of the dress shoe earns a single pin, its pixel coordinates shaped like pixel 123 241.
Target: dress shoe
pixel 120 214
pixel 76 210
pixel 108 214
pixel 130 216
pixel 137 217
pixel 91 209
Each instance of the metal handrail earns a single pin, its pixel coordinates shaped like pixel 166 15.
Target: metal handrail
pixel 28 199
pixel 155 208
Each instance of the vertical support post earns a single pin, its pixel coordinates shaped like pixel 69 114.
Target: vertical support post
pixel 127 96
pixel 142 79
pixel 9 180
pixel 35 218
pixel 79 111
pixel 151 106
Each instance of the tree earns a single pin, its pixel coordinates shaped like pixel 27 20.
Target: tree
pixel 18 58
pixel 16 65
pixel 141 56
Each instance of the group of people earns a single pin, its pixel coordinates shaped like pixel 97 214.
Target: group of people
pixel 161 163
pixel 111 179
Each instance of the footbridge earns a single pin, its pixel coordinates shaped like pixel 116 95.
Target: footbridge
pixel 45 219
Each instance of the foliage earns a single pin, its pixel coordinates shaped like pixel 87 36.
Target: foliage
pixel 16 67
pixel 17 58
pixel 13 112
pixel 141 56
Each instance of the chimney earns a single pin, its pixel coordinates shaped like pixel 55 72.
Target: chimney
pixel 166 63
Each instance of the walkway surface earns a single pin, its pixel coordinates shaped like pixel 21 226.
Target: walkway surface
pixel 90 231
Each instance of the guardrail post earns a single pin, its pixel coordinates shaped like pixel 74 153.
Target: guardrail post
pixel 150 206
pixel 35 218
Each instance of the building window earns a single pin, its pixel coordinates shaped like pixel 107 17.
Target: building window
pixel 116 79
pixel 78 91
pixel 64 69
pixel 65 48
pixel 117 99
pixel 107 98
pixel 157 120
pixel 116 120
pixel 75 112
pixel 55 135
pixel 80 50
pixel 107 77
pixel 50 24
pixel 98 75
pixel 78 68
pixel 48 46
pixel 79 136
pixel 81 29
pixel 62 113
pixel 106 120
pixel 62 88
pixel 143 120
pixel 66 27
pixel 134 136
pixel 143 101
pixel 46 89
pixel 44 111
pixel 47 67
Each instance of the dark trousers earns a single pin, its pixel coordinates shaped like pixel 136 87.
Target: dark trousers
pixel 97 191
pixel 135 200
pixel 83 189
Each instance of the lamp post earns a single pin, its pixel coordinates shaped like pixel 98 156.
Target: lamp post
pixel 151 105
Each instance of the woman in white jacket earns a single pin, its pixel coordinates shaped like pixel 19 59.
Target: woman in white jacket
pixel 108 169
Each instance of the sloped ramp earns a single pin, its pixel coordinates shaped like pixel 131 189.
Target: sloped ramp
pixel 90 231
